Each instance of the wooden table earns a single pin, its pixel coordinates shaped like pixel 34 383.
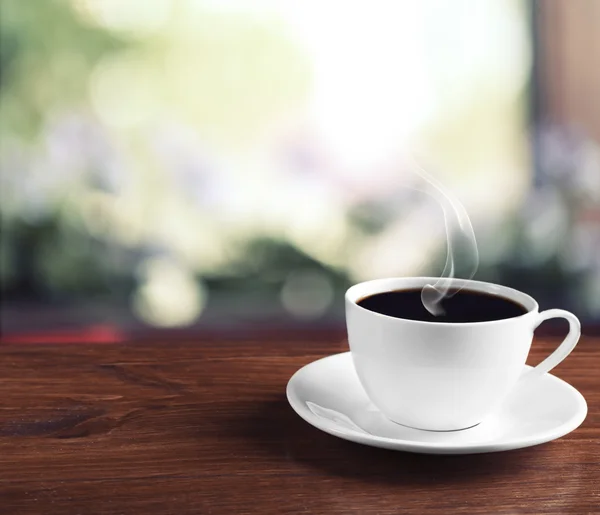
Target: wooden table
pixel 205 428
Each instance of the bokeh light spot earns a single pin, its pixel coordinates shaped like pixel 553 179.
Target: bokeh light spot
pixel 169 295
pixel 307 294
pixel 134 16
pixel 124 91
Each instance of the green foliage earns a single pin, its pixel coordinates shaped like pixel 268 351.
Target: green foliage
pixel 265 263
pixel 46 54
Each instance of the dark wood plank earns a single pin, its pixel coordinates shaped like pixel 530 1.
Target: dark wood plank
pixel 204 427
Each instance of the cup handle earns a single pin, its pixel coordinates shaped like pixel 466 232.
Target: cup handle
pixel 568 344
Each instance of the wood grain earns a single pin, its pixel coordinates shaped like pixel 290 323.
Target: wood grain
pixel 204 427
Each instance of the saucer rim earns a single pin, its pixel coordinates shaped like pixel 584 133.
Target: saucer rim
pixel 302 410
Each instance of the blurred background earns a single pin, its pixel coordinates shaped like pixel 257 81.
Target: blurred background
pixel 224 165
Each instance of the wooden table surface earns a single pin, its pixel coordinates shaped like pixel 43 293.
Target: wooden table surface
pixel 205 428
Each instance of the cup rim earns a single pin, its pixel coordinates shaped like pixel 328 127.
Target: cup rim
pixel 393 283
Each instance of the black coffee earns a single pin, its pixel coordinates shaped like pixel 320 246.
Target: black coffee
pixel 464 306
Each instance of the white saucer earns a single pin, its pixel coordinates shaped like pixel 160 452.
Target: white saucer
pixel 328 395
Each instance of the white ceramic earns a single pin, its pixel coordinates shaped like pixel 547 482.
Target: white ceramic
pixel 444 376
pixel 328 395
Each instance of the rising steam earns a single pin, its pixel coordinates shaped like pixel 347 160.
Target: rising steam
pixel 459 235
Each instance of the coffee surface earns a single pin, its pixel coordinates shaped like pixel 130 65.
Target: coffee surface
pixel 463 306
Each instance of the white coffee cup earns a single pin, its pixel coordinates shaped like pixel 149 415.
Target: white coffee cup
pixel 444 376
